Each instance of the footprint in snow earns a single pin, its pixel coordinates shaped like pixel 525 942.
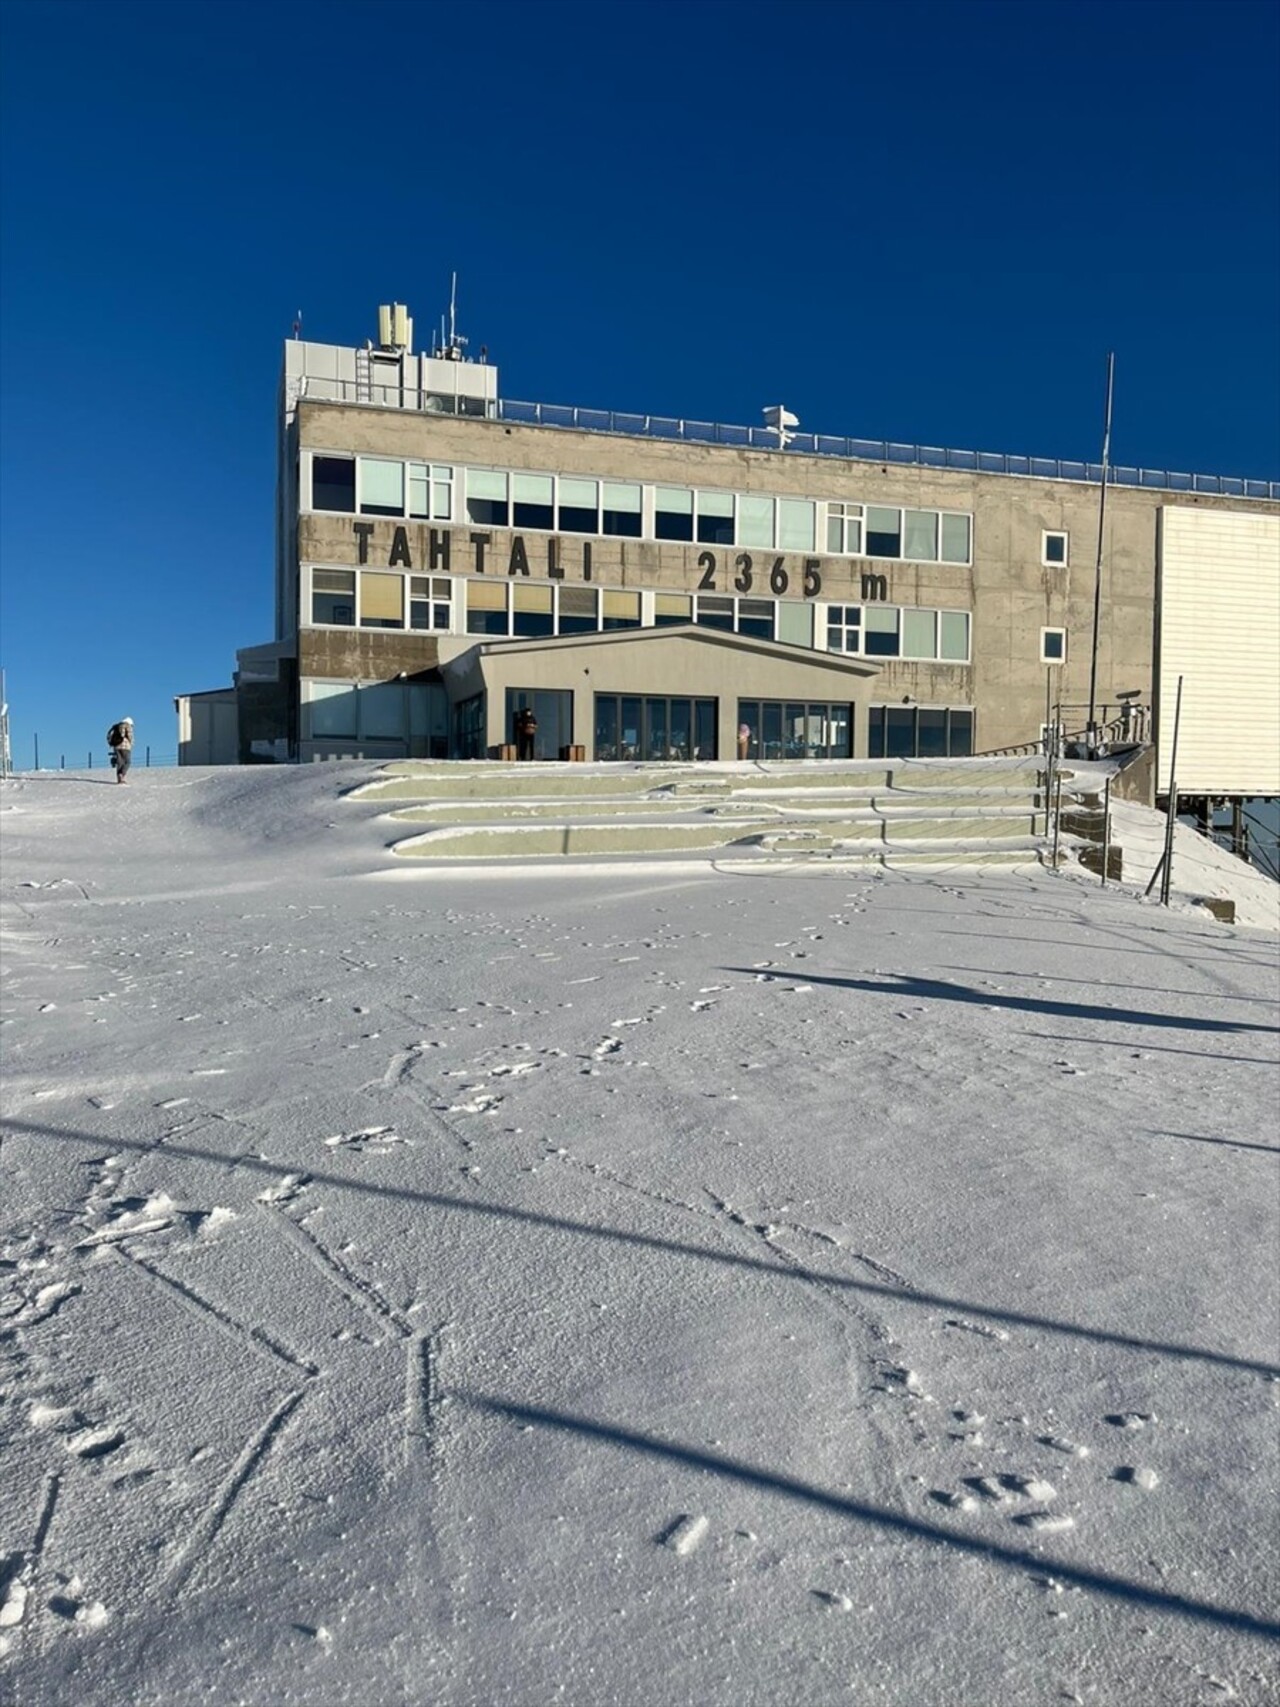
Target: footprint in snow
pixel 1138 1476
pixel 377 1140
pixel 483 1102
pixel 1060 1443
pixel 686 1533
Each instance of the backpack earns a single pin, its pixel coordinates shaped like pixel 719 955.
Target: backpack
pixel 115 735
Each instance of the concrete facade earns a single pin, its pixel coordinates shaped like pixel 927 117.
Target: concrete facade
pixel 1011 612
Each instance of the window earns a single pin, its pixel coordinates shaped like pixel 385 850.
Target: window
pixel 333 483
pixel 731 615
pixel 383 708
pixel 955 539
pixel 531 610
pixel 374 711
pixel 953 635
pixel 670 609
pixel 797 522
pixel 381 487
pixel 333 596
pixel 430 602
pixel 783 729
pixel 919 732
pixel 755 616
pixel 621 509
pixel 715 612
pixel 1053 549
pixel 715 518
pixel 486 607
pixel 884 532
pixel 621 610
pixel 487 497
pixel 430 492
pixel 654 728
pixel 1053 645
pixel 844 529
pixel 920 535
pixel 579 505
pixel 532 503
pixel 919 634
pixel 577 610
pixel 334 710
pixel 844 628
pixel 880 637
pixel 755 520
pixel 381 601
pixel 672 513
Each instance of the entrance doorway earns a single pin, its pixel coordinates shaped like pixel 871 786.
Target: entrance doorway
pixel 553 708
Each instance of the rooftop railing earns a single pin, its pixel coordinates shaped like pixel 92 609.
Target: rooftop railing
pixel 883 451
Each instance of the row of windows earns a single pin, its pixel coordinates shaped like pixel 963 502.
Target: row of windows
pixel 893 631
pixel 343 598
pixel 626 509
pixel 919 732
pixel 633 726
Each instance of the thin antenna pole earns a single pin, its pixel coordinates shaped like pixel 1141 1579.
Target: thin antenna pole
pixel 1097 578
pixel 453 299
pixel 1171 817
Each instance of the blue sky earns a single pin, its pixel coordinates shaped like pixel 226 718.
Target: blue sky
pixel 919 221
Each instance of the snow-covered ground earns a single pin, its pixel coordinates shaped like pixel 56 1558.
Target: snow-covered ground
pixel 639 1285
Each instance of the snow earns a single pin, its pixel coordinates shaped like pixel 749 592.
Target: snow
pixel 632 1283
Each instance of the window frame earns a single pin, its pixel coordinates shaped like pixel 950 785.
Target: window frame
pixel 1047 562
pixel 1061 633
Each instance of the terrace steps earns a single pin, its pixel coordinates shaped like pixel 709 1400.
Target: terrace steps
pixel 892 813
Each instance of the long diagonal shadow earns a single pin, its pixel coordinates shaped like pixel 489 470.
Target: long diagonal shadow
pixel 1227 1143
pixel 1151 1048
pixel 1015 1558
pixel 649 1241
pixel 936 990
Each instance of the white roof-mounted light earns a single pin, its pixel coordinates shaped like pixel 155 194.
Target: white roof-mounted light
pixel 777 420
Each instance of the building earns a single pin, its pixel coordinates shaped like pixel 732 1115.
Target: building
pixel 661 589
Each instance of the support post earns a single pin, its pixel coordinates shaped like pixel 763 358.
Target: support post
pixel 1172 816
pixel 1106 830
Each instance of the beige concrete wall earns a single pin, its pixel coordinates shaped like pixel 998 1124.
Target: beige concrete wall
pixel 1010 594
pixel 365 654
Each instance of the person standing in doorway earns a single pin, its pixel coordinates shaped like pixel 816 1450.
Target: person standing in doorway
pixel 120 741
pixel 744 740
pixel 526 732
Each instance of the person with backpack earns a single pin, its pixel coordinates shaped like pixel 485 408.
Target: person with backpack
pixel 526 732
pixel 120 741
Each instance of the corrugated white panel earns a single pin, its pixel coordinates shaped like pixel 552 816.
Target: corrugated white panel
pixel 1220 631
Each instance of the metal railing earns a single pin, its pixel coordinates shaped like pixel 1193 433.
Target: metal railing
pixel 1120 726
pixel 883 451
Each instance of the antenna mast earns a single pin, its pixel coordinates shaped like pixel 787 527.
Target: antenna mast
pixel 1097 579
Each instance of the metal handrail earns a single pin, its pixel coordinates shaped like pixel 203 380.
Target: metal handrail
pixel 1128 728
pixel 883 451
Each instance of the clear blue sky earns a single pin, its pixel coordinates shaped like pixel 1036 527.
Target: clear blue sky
pixel 917 220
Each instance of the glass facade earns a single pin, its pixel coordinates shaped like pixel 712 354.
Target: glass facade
pixel 654 727
pixel 919 732
pixel 790 729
